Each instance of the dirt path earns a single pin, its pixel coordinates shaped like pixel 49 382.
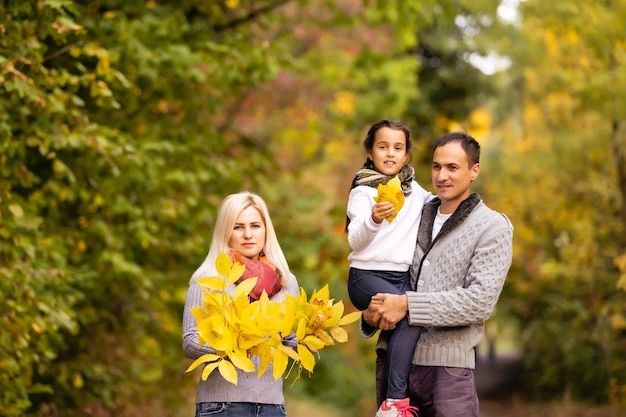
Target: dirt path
pixel 513 408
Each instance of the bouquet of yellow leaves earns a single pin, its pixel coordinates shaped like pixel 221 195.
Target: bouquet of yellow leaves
pixel 239 329
pixel 391 192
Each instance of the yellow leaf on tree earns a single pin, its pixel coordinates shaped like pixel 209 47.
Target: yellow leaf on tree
pixel 392 193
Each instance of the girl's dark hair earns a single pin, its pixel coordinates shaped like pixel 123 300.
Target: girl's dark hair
pixel 368 143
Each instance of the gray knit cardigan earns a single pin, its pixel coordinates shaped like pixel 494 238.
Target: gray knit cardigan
pixel 457 279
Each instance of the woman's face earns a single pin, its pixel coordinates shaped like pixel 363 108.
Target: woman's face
pixel 248 235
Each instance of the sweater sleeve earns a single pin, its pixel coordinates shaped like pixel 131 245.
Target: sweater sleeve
pixel 362 229
pixel 191 338
pixel 475 301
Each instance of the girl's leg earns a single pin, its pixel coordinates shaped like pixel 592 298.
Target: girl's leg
pixel 400 356
pixel 364 284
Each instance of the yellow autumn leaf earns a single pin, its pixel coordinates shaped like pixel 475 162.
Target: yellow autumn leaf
pixel 301 330
pixel 214 283
pixel 228 371
pixel 209 368
pixel 223 264
pixel 289 352
pixel 264 353
pixel 337 309
pixel 199 313
pixel 339 334
pixel 249 341
pixel 392 193
pixel 280 363
pixel 313 342
pixel 241 361
pixel 350 318
pixel 209 357
pixel 240 329
pixel 236 272
pixel 244 288
pixel 307 360
pixel 324 337
pixel 320 296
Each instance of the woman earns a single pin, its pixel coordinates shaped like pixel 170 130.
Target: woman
pixel 244 230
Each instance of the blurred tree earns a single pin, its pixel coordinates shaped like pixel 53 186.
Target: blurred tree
pixel 561 180
pixel 124 124
pixel 110 166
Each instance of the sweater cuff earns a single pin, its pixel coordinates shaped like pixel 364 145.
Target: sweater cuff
pixel 420 313
pixel 371 224
pixel 367 330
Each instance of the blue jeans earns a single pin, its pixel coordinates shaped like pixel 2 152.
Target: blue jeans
pixel 438 391
pixel 240 410
pixel 362 286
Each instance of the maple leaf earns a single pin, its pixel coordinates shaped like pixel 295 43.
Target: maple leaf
pixel 391 192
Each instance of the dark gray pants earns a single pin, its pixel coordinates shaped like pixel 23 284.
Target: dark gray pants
pixel 437 391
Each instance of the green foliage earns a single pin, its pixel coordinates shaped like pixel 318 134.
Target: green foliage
pixel 123 124
pixel 106 173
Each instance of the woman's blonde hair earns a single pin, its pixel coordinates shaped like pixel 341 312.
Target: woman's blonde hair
pixel 227 215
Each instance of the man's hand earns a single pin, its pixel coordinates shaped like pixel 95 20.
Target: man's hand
pixel 389 309
pixel 371 315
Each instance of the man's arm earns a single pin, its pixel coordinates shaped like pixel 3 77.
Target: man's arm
pixel 475 302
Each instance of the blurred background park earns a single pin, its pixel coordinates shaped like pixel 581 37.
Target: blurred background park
pixel 123 124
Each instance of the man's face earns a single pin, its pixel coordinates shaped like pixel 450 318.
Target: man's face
pixel 452 175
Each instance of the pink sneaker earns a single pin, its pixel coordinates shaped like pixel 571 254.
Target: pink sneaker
pixel 397 408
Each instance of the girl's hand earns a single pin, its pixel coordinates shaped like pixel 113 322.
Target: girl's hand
pixel 381 210
pixel 390 309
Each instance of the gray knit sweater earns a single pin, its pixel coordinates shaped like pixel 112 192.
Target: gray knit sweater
pixel 458 279
pixel 250 388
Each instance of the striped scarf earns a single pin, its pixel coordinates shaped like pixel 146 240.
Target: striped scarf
pixel 372 178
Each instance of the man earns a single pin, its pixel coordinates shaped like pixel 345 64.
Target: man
pixel 463 254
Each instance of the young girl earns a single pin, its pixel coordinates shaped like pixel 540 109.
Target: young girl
pixel 382 251
pixel 243 229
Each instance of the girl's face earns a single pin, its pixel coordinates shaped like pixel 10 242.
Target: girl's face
pixel 248 235
pixel 389 151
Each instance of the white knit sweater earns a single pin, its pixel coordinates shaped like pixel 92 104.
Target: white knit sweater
pixel 385 246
